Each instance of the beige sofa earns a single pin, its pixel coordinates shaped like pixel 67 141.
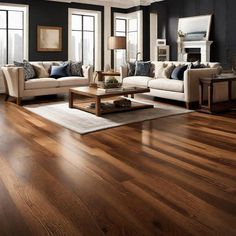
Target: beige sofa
pixel 17 87
pixel 186 91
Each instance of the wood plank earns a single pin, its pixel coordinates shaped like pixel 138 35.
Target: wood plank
pixel 170 176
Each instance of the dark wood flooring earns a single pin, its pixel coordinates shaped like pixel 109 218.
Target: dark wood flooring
pixel 170 176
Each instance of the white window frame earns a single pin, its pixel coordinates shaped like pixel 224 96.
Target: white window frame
pixel 134 15
pixel 97 31
pixel 25 9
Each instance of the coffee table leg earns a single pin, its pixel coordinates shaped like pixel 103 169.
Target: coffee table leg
pixel 98 106
pixel 71 98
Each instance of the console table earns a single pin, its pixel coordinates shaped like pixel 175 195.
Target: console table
pixel 211 106
pixel 101 74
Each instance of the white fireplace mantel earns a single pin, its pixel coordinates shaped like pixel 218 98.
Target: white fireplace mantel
pixel 203 45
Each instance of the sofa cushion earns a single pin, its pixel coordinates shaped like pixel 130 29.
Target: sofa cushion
pixel 48 64
pixel 142 68
pixel 41 83
pixel 58 71
pixel 217 66
pixel 168 71
pixel 159 68
pixel 167 84
pixel 178 72
pixel 68 69
pixel 76 69
pixel 37 63
pixel 137 80
pixel 131 68
pixel 28 69
pixel 72 81
pixel 40 71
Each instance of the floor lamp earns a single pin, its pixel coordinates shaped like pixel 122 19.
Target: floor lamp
pixel 117 43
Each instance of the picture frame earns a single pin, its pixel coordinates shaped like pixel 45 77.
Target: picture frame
pixel 193 24
pixel 49 39
pixel 161 42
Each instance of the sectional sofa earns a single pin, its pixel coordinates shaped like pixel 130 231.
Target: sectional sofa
pixel 185 90
pixel 16 85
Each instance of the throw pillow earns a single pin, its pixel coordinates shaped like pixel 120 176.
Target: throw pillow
pixel 40 71
pixel 58 71
pixel 48 64
pixel 76 69
pixel 152 70
pixel 131 68
pixel 159 68
pixel 68 67
pixel 216 66
pixel 168 71
pixel 28 69
pixel 142 68
pixel 196 65
pixel 178 72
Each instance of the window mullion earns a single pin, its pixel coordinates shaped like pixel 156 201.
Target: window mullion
pixel 82 38
pixel 7 38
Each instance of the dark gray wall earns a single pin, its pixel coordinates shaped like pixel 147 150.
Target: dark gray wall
pixel 222 31
pixel 53 14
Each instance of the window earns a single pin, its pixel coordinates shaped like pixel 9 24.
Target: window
pixel 132 38
pixel 12 34
pixel 121 30
pixel 83 39
pixel 126 27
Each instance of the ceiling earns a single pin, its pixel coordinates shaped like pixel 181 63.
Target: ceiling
pixel 115 3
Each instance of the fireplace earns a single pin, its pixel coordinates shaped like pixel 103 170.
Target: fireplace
pixel 193 54
pixel 195 44
pixel 191 50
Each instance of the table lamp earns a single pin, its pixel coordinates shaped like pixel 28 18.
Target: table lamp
pixel 117 43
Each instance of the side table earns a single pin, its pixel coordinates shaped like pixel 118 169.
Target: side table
pixel 101 74
pixel 211 106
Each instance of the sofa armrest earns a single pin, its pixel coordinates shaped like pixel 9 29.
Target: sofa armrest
pixel 123 72
pixel 88 72
pixel 191 82
pixel 15 80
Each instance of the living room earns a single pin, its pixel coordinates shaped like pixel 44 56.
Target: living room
pixel 117 117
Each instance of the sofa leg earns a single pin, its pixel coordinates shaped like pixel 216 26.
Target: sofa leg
pixel 6 97
pixel 187 105
pixel 18 101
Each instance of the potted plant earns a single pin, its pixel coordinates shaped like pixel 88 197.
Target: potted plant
pixel 181 35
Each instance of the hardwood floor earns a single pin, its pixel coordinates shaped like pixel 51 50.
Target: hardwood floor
pixel 170 176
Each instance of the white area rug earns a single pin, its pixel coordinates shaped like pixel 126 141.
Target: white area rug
pixel 83 122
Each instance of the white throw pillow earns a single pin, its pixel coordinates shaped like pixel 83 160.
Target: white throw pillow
pixel 159 68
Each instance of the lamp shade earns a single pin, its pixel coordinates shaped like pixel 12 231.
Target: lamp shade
pixel 116 42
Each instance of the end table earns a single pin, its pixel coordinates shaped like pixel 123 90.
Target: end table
pixel 211 106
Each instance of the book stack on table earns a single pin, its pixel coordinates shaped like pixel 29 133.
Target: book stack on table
pixel 122 103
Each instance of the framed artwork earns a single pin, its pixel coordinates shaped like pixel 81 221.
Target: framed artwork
pixel 161 42
pixel 49 39
pixel 195 28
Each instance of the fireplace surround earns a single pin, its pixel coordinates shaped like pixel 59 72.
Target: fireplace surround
pixel 202 48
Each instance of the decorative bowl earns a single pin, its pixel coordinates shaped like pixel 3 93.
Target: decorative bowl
pixel 111 85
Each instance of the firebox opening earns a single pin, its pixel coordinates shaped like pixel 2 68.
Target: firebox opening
pixel 193 54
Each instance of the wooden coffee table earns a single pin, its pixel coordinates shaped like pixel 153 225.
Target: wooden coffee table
pixel 94 95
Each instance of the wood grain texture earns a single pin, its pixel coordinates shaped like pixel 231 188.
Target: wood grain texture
pixel 170 176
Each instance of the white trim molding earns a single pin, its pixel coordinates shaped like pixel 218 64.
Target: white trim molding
pixel 98 35
pixel 25 9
